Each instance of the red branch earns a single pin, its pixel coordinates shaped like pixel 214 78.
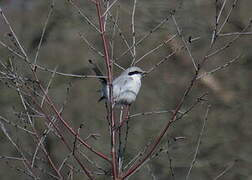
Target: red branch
pixel 110 80
pixel 73 131
pixel 56 128
pixel 163 132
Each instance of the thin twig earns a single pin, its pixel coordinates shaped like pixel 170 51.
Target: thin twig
pixel 112 44
pixel 26 162
pixel 14 35
pixel 164 59
pixel 12 50
pixel 133 32
pixel 105 17
pixel 228 16
pixel 170 161
pixel 144 37
pixel 225 170
pixel 86 18
pixel 43 32
pixel 155 49
pixel 16 125
pixel 67 74
pixel 198 143
pixel 91 46
pixel 235 33
pixel 228 44
pixel 151 172
pixel 217 19
pixel 121 34
pixel 137 156
pixel 48 69
pixel 48 86
pixel 153 112
pixel 221 10
pixel 120 156
pixel 219 67
pixel 185 43
pixel 108 8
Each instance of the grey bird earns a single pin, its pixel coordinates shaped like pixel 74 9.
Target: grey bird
pixel 125 87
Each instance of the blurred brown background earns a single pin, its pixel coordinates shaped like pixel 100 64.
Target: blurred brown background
pixel 227 137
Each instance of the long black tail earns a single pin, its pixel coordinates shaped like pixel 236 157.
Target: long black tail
pixel 98 72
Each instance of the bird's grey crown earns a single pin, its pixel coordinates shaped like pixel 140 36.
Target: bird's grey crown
pixel 132 69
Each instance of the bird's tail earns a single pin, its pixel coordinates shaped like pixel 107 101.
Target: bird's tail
pixel 98 72
pixel 103 80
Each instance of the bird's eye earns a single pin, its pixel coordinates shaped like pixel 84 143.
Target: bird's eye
pixel 134 72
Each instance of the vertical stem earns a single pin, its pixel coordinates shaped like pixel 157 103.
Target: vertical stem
pixel 120 157
pixel 110 80
pixel 133 32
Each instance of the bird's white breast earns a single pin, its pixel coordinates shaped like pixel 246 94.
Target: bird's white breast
pixel 126 89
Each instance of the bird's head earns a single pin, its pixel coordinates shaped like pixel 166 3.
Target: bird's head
pixel 134 71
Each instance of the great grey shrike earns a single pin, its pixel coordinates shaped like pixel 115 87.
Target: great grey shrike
pixel 125 87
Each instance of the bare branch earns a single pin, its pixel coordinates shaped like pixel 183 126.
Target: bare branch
pixel 225 170
pixel 14 35
pixel 43 32
pixel 133 32
pixel 86 18
pixel 198 143
pixel 144 37
pixel 219 67
pixel 185 43
pixel 108 8
pixel 155 49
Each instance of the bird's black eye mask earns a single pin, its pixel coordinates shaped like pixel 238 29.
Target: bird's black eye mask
pixel 134 72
